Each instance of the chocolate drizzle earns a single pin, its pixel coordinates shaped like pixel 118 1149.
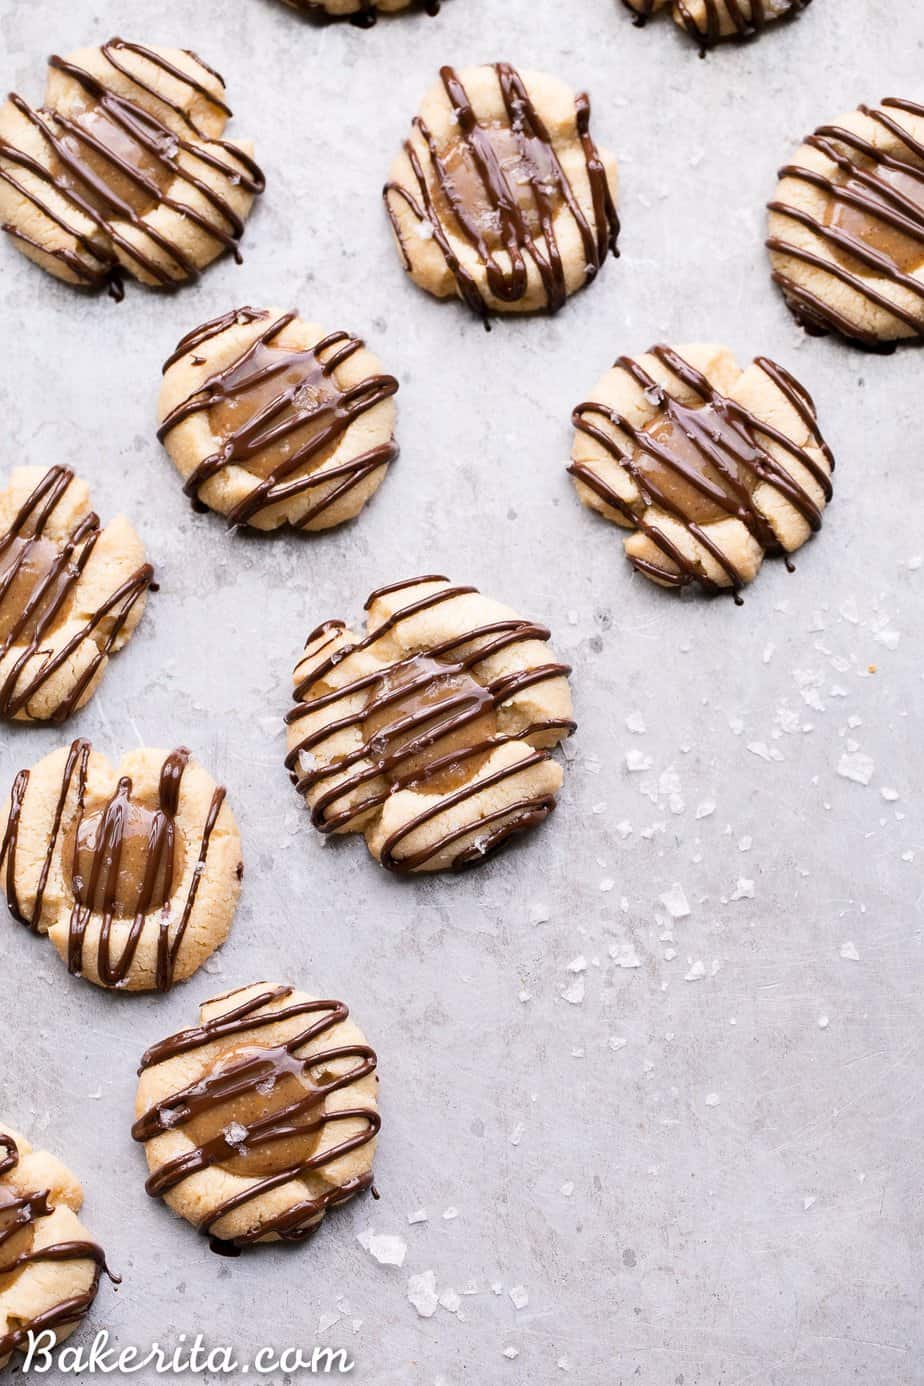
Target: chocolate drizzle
pixel 427 723
pixel 859 186
pixel 50 572
pixel 19 1214
pixel 93 866
pixel 253 1072
pixel 364 17
pixel 102 168
pixel 308 395
pixel 517 227
pixel 747 16
pixel 706 467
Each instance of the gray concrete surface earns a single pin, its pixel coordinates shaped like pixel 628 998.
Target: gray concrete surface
pixel 699 1180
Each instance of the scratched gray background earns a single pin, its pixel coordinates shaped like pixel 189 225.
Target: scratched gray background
pixel 704 1182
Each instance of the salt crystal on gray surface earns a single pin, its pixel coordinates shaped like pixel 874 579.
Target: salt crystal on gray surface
pixel 763 751
pixel 744 889
pixel 745 844
pixel 386 1249
pixel 890 795
pixel 856 766
pixel 607 884
pixel 578 964
pixel 516 1135
pixel 420 1216
pixel 675 902
pixel 519 1296
pixel 511 1352
pixel 624 955
pixel 712 1099
pixel 450 1213
pixel 624 828
pixel 637 760
pixel 705 809
pixel 636 723
pixel 697 971
pixel 567 1188
pixel 617 1042
pixel 325 1322
pixel 823 1022
pixel 574 994
pixel 421 1291
pixel 809 1202
pixel 539 914
pixel 450 1300
pixel 849 951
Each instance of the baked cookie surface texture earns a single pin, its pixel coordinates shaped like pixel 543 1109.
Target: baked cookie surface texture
pixel 133 871
pixel 711 21
pixel 431 733
pixel 260 1118
pixel 712 466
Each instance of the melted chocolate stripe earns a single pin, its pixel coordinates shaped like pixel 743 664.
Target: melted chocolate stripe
pixel 334 411
pixel 28 1209
pixel 746 25
pixel 243 1077
pixel 742 444
pixel 508 285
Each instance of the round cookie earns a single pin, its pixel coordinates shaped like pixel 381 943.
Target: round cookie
pixel 133 872
pixel 262 1117
pixel 711 466
pixel 711 21
pixel 362 13
pixel 846 226
pixel 123 168
pixel 500 196
pixel 71 593
pixel 49 1268
pixel 430 734
pixel 272 421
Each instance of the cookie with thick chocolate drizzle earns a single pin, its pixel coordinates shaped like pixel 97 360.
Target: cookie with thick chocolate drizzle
pixel 362 13
pixel 49 1268
pixel 260 1118
pixel 71 593
pixel 711 21
pixel 133 872
pixel 712 466
pixel 431 734
pixel 123 170
pixel 846 226
pixel 272 421
pixel 500 196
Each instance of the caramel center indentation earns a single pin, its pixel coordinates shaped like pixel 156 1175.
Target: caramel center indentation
pixel 33 583
pixel 102 155
pixel 125 858
pixel 272 405
pixel 274 1123
pixel 874 232
pixel 700 467
pixel 482 186
pixel 423 711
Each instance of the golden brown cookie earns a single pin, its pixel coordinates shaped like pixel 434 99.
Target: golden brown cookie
pixel 49 1268
pixel 133 872
pixel 71 593
pixel 710 21
pixel 710 465
pixel 123 168
pixel 847 226
pixel 262 1117
pixel 500 196
pixel 362 13
pixel 271 420
pixel 431 734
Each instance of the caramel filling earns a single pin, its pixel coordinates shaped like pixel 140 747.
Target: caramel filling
pixel 523 161
pixel 26 566
pixel 17 1230
pixel 273 405
pixel 103 157
pixel 700 444
pixel 244 1121
pixel 904 252
pixel 125 858
pixel 423 710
